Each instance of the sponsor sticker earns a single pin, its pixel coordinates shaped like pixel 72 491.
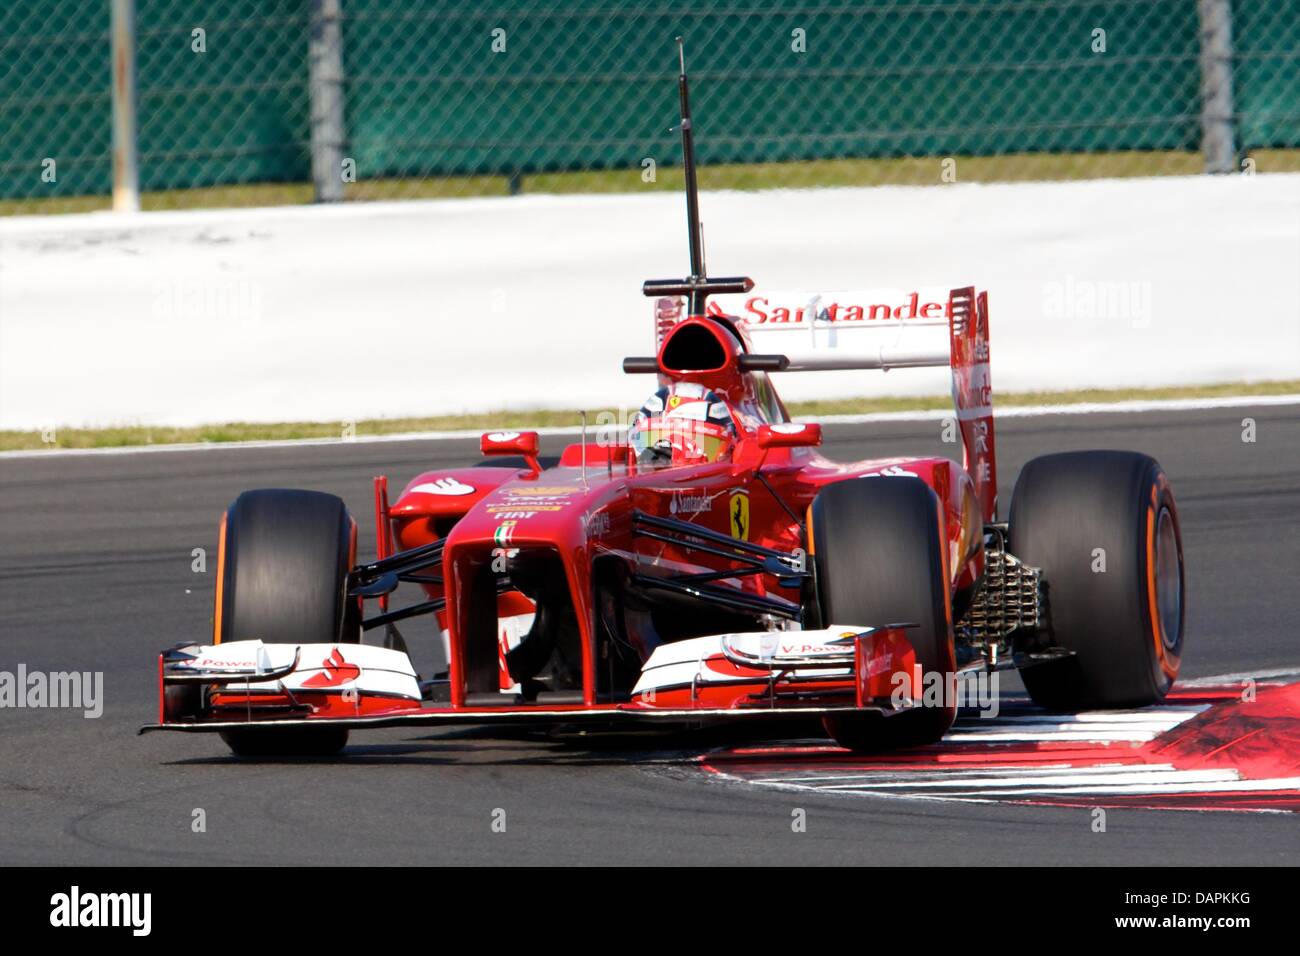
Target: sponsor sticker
pixel 688 503
pixel 444 486
pixel 335 671
pixel 738 514
pixel 860 307
pixel 893 471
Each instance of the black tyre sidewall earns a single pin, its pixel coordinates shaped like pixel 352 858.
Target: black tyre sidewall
pixel 306 742
pixel 1066 511
pixel 286 557
pixel 879 559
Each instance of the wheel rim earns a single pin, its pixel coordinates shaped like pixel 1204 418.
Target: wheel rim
pixel 1169 581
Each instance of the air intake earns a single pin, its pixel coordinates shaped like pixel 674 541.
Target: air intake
pixel 694 347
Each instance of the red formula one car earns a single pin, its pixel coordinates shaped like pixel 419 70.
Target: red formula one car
pixel 704 563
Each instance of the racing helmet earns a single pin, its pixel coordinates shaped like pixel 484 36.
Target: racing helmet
pixel 683 424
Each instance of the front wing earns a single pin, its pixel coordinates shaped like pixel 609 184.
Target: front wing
pixel 249 685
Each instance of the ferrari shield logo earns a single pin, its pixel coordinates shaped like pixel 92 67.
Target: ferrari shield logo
pixel 738 511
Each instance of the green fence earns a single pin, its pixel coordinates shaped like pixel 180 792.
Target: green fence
pixel 444 98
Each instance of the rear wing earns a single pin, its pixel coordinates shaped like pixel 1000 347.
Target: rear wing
pixel 879 329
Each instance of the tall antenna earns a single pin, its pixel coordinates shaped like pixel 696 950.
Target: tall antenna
pixel 693 226
pixel 697 286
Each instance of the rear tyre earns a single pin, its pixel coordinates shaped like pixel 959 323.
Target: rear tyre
pixel 1103 528
pixel 284 560
pixel 879 559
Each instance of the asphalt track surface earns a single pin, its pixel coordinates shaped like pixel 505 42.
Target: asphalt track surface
pixel 95 575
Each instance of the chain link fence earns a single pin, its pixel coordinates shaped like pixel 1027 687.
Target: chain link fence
pixel 254 102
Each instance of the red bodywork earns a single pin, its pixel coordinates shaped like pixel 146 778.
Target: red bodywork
pixel 583 509
pixel 583 521
pixel 605 502
pixel 677 591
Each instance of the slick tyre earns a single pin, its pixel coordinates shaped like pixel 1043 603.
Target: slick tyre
pixel 283 562
pixel 310 742
pixel 878 556
pixel 1103 528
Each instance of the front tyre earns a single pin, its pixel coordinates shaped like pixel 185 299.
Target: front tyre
pixel 1103 528
pixel 283 562
pixel 305 742
pixel 878 554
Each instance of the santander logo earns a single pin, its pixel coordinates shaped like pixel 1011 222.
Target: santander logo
pixel 762 310
pixel 337 671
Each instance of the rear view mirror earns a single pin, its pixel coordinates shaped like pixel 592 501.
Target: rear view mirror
pixel 790 435
pixel 512 443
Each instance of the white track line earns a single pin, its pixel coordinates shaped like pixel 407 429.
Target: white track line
pixel 1276 672
pixel 1079 779
pixel 1079 408
pixel 1152 779
pixel 1023 780
pixel 1078 736
pixel 278 443
pixel 948 772
pixel 1152 716
pixel 938 414
pixel 1171 785
pixel 1136 726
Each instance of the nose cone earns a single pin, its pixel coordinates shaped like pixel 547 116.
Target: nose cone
pixel 559 508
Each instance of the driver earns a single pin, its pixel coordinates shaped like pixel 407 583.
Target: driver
pixel 683 425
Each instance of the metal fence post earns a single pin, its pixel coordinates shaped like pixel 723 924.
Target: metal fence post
pixel 1218 141
pixel 326 56
pixel 126 170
